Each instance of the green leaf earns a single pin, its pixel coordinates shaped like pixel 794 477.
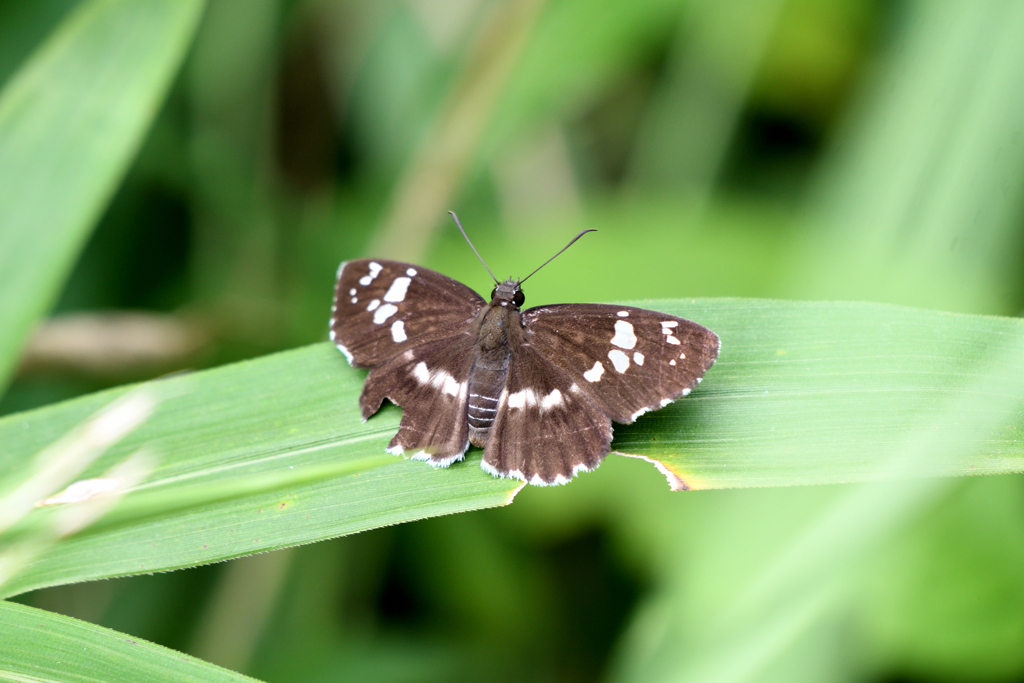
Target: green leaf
pixel 825 393
pixel 803 393
pixel 256 456
pixel 71 120
pixel 40 646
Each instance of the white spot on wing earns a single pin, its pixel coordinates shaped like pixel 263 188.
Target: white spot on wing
pixel 421 373
pixel 430 458
pixel 672 340
pixel 490 469
pixel 672 362
pixel 559 480
pixel 450 385
pixel 348 356
pixel 638 358
pixel 619 360
pixel 355 300
pixel 384 312
pixel 375 269
pixel 667 325
pixel 398 331
pixel 551 400
pixel 666 401
pixel 637 414
pixel 624 337
pixel 352 292
pixel 594 373
pixel 682 355
pixel 395 450
pixel 396 292
pixel 623 314
pixel 411 272
pixel 434 461
pixel 522 399
pixel 440 379
pixel 373 306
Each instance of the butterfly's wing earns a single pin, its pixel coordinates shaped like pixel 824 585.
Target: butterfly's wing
pixel 576 368
pixel 383 308
pixel 626 360
pixel 412 326
pixel 545 429
pixel 430 383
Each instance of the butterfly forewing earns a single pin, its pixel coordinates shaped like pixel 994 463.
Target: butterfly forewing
pixel 382 308
pixel 627 360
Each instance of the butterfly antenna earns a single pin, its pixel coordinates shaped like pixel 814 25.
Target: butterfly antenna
pixel 474 248
pixel 573 240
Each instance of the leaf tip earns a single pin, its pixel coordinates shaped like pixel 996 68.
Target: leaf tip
pixel 513 492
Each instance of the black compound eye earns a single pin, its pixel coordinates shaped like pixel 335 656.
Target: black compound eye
pixel 519 298
pixel 493 292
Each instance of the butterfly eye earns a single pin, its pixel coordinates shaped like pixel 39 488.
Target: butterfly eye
pixel 493 292
pixel 519 298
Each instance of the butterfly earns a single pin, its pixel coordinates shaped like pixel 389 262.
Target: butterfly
pixel 536 389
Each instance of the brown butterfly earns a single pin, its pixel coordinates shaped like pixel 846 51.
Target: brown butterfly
pixel 536 389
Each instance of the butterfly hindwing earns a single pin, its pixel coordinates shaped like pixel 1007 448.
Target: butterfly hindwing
pixel 627 360
pixel 383 308
pixel 429 382
pixel 546 430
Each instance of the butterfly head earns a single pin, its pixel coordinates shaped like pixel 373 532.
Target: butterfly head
pixel 508 292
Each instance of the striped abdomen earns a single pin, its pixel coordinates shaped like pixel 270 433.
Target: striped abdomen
pixel 486 381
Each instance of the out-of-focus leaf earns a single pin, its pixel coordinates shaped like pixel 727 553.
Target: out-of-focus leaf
pixel 71 120
pixel 576 50
pixel 42 647
pixel 923 186
pixel 974 631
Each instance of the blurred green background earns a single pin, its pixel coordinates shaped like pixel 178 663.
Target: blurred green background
pixel 801 149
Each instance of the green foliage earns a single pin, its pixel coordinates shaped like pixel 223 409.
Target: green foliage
pixel 71 120
pixel 292 463
pixel 48 647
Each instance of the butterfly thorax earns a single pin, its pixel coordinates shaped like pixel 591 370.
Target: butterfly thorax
pixel 500 330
